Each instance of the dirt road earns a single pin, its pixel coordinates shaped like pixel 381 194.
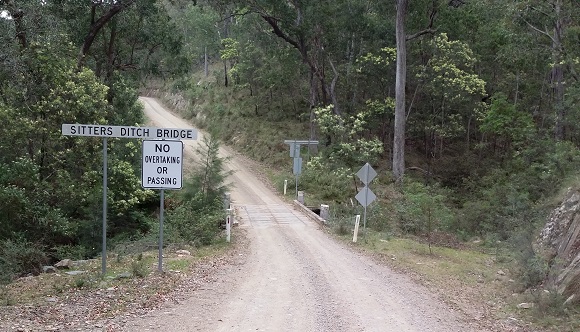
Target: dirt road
pixel 294 277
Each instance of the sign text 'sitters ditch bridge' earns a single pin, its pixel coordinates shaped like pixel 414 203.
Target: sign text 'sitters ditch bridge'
pixel 162 166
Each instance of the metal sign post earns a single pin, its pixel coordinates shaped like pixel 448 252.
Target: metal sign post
pixel 295 153
pixel 162 169
pixel 106 131
pixel 161 212
pixel 365 196
pixel 104 249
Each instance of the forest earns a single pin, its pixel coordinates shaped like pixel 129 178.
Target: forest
pixel 468 109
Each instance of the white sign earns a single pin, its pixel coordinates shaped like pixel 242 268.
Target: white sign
pixel 162 164
pixel 128 132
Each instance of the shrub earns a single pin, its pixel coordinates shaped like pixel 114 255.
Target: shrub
pixel 422 209
pixel 20 257
pixel 139 267
pixel 190 223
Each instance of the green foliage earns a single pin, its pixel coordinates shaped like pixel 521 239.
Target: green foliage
pixel 449 82
pixel 140 267
pixel 422 209
pixel 199 215
pixel 230 49
pixel 20 257
pixel 196 221
pixel 503 119
pixel 209 175
pixel 532 268
pixel 348 145
pixel 335 185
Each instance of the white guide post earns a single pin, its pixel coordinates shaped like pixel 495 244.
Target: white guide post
pixel 356 224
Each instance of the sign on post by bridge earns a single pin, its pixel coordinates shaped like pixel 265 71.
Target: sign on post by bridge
pixel 162 164
pixel 129 132
pixel 295 154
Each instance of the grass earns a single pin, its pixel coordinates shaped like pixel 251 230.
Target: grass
pixel 481 283
pixel 139 268
pixel 474 276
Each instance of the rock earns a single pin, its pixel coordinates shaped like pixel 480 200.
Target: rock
pixel 75 273
pixel 525 305
pixel 65 264
pixel 51 299
pixel 49 269
pixel 501 273
pixel 183 252
pixel 124 275
pixel 559 245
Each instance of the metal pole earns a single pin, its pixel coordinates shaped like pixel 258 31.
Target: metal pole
pixel 366 204
pixel 296 186
pixel 161 211
pixel 104 253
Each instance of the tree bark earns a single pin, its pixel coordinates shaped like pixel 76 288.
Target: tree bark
pixel 558 72
pixel 400 82
pixel 97 25
pixel 17 15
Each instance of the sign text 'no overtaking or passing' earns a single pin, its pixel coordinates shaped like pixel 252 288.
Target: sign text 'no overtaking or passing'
pixel 162 164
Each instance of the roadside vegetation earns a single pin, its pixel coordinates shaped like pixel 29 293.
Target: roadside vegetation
pixel 491 126
pixel 485 158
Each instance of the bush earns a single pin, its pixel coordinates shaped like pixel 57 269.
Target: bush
pixel 336 185
pixel 422 209
pixel 139 267
pixel 20 257
pixel 195 225
pixel 532 268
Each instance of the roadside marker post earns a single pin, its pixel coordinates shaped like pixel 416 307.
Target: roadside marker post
pixel 228 225
pixel 356 225
pixel 147 133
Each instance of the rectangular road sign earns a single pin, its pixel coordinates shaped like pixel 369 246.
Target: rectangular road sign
pixel 162 166
pixel 297 166
pixel 300 142
pixel 96 130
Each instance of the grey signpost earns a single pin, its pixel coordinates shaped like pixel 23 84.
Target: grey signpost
pixel 295 154
pixel 162 169
pixel 148 133
pixel 365 196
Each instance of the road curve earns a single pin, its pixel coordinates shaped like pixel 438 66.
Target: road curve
pixel 294 277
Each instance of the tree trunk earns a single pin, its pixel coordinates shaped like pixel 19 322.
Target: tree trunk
pixel 18 16
pixel 400 82
pixel 97 25
pixel 558 73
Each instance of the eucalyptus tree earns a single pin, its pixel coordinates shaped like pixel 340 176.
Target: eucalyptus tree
pixel 400 86
pixel 325 38
pixel 49 183
pixel 554 21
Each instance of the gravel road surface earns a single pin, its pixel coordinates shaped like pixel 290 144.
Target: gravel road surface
pixel 293 276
